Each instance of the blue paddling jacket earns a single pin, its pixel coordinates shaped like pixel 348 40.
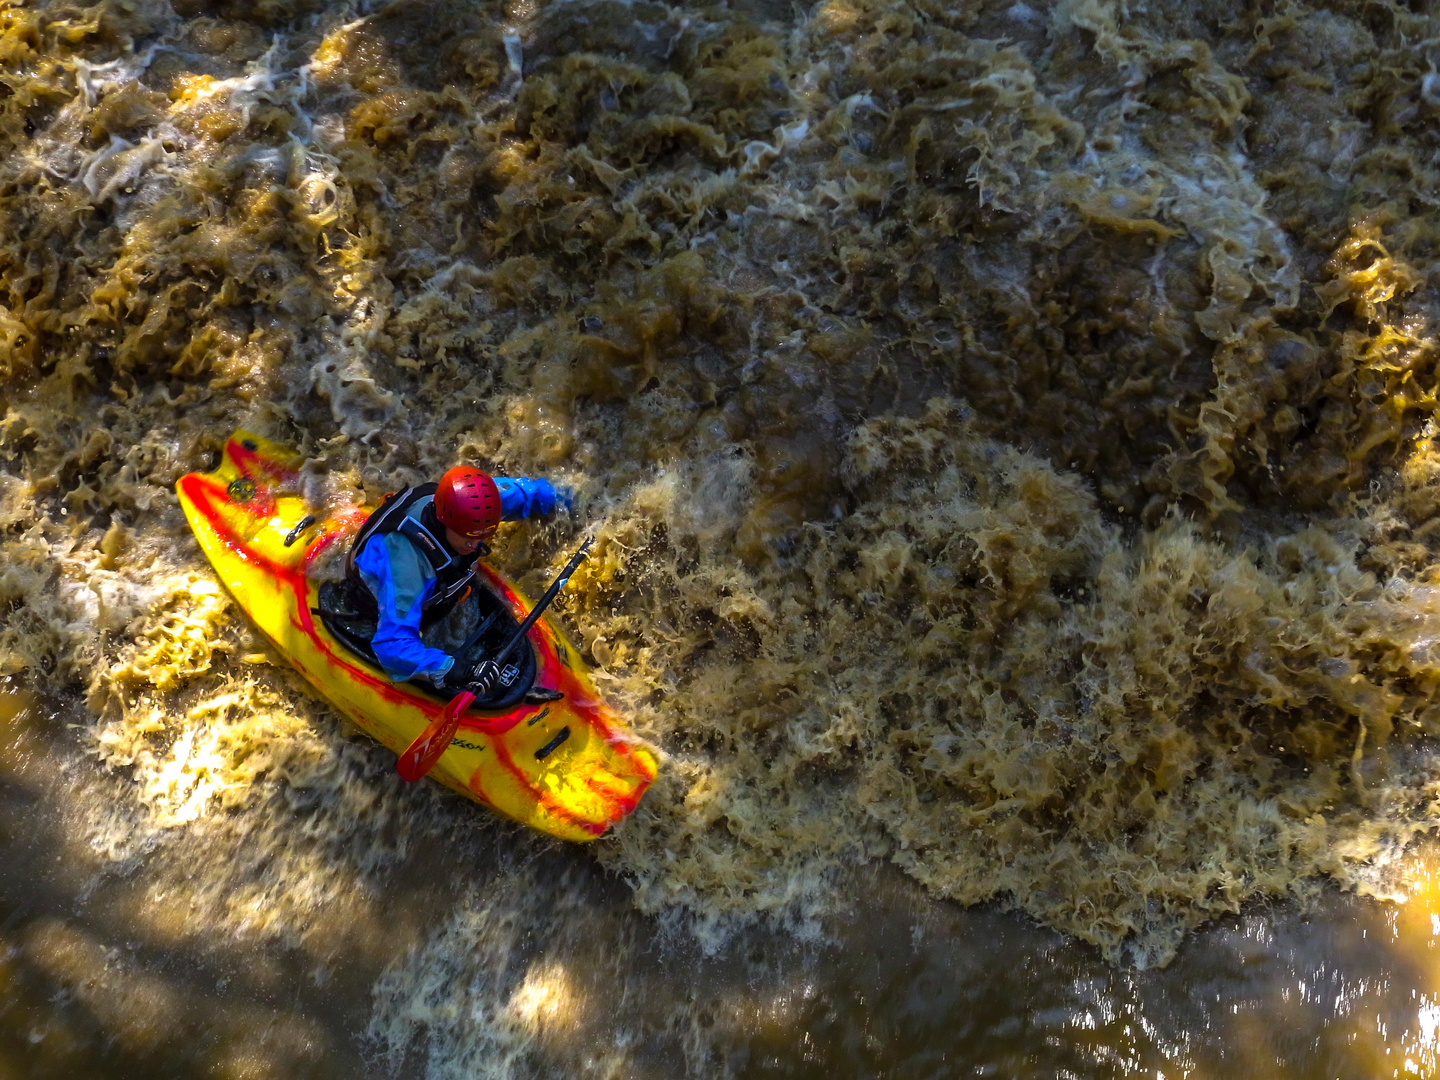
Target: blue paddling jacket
pixel 416 578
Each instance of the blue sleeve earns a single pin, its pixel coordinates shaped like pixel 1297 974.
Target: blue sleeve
pixel 521 497
pixel 397 641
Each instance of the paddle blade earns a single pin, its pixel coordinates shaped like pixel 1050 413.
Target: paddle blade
pixel 422 754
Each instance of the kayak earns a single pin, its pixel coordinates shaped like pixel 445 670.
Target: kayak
pixel 547 751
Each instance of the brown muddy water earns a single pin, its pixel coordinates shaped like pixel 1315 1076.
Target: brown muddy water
pixel 1009 434
pixel 483 952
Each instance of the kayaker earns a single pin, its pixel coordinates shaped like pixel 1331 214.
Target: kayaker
pixel 413 562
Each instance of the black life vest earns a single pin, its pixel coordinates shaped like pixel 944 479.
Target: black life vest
pixel 454 573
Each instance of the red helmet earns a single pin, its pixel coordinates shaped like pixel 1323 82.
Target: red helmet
pixel 468 502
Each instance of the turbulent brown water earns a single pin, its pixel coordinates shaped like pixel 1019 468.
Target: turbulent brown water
pixel 1008 429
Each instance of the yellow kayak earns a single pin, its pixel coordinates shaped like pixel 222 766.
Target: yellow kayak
pixel 566 766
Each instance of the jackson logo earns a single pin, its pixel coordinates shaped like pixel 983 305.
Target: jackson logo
pixel 241 490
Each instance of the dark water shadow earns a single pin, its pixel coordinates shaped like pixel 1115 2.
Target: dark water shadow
pixel 481 918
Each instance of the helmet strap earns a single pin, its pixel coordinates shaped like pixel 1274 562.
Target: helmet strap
pixel 431 520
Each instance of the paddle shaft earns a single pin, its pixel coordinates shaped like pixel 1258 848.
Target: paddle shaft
pixel 550 594
pixel 463 656
pixel 422 754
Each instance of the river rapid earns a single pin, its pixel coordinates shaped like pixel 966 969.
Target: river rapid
pixel 1008 431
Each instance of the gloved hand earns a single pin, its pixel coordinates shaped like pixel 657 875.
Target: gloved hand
pixel 564 500
pixel 483 678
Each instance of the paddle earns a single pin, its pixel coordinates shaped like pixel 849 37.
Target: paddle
pixel 422 754
pixel 550 594
pixel 463 656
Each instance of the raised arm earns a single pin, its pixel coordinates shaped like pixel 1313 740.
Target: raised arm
pixel 523 497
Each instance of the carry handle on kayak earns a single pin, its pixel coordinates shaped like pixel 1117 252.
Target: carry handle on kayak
pixel 422 754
